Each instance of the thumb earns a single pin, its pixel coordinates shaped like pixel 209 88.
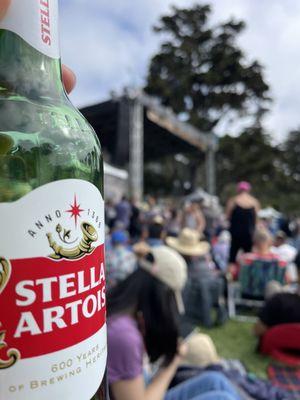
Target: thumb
pixel 4 4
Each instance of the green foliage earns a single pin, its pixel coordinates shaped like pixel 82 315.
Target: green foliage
pixel 271 170
pixel 291 155
pixel 204 76
pixel 241 158
pixel 202 72
pixel 169 176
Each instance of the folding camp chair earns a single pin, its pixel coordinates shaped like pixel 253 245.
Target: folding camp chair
pixel 249 290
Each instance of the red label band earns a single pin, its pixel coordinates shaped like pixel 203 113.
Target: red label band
pixel 49 305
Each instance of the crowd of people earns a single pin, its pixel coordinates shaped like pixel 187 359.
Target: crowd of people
pixel 167 270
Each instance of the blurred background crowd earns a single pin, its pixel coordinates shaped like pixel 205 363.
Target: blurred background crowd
pixel 238 260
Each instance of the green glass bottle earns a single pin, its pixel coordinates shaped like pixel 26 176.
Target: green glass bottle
pixel 52 283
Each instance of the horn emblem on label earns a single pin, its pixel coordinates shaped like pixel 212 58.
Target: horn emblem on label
pixel 89 235
pixel 5 270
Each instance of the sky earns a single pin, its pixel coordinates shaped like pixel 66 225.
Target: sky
pixel 109 45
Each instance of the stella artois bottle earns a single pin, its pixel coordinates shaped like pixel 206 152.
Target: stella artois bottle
pixel 52 282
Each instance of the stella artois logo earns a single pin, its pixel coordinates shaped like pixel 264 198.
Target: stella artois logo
pixel 63 292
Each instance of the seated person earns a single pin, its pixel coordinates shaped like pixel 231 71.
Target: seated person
pixel 220 250
pixel 143 313
pixel 265 264
pixel 120 261
pixel 282 308
pixel 262 247
pixel 286 252
pixel 156 232
pixel 205 288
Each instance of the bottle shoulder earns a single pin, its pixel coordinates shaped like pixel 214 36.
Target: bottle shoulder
pixel 44 142
pixel 56 121
pixel 26 115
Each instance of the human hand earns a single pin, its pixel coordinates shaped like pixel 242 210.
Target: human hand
pixel 69 78
pixel 4 4
pixel 182 349
pixel 181 352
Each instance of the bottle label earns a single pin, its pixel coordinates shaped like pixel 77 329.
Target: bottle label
pixel 52 293
pixel 35 21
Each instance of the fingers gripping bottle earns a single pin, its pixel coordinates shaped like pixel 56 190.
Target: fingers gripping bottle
pixel 52 279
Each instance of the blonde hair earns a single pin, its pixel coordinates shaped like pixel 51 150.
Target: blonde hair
pixel 261 236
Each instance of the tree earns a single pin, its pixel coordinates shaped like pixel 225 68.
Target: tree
pixel 291 155
pixel 202 74
pixel 291 167
pixel 252 156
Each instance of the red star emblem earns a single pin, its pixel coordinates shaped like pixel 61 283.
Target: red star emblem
pixel 75 210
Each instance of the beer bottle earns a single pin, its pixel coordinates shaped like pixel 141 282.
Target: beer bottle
pixel 52 281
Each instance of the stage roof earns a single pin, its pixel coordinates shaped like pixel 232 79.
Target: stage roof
pixel 164 133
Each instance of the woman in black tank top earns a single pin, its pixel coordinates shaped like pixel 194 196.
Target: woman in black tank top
pixel 241 213
pixel 242 225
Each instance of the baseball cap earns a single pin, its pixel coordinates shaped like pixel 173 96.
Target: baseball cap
pixel 119 237
pixel 243 186
pixel 168 266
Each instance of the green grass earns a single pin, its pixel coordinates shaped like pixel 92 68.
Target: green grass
pixel 236 340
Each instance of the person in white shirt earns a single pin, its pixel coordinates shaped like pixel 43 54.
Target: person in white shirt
pixel 287 253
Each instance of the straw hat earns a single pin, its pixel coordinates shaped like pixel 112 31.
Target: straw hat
pixel 158 219
pixel 201 351
pixel 169 267
pixel 188 243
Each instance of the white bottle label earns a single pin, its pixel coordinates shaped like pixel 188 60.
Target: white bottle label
pixel 52 293
pixel 35 21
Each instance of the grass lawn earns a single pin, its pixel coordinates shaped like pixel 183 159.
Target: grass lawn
pixel 236 340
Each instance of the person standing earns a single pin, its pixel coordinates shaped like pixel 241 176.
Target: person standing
pixel 123 211
pixel 135 224
pixel 174 223
pixel 120 260
pixel 193 218
pixel 241 212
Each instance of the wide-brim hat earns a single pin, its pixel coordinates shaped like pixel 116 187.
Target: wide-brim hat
pixel 158 220
pixel 168 266
pixel 201 351
pixel 188 243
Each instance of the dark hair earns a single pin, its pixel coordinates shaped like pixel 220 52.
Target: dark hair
pixel 142 292
pixel 155 230
pixel 174 213
pixel 297 262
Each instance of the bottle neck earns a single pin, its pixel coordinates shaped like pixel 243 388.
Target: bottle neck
pixel 29 52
